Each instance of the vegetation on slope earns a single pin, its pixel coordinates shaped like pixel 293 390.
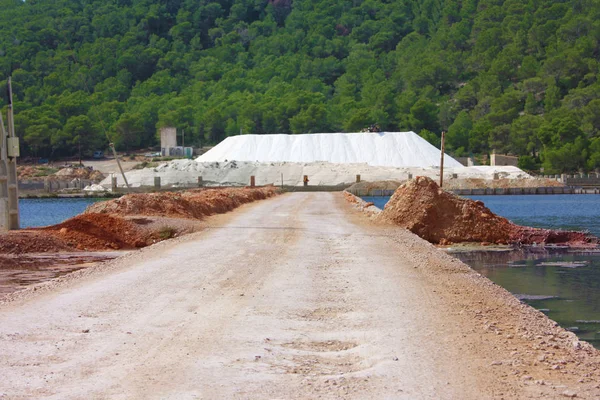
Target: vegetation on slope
pixel 514 76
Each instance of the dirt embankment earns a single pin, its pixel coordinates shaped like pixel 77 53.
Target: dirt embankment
pixel 440 217
pixel 502 183
pixel 44 172
pixel 132 221
pixel 189 204
pixel 363 188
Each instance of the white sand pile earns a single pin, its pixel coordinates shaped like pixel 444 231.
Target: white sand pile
pixel 94 188
pixel 237 173
pixel 386 149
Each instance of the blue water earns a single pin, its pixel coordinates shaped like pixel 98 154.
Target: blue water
pixel 43 212
pixel 564 211
pixel 565 286
pixel 569 283
pixel 378 201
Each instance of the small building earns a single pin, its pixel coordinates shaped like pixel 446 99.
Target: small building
pixel 168 140
pixel 503 159
pixel 168 144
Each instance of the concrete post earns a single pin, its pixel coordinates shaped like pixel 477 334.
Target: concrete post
pixel 47 185
pixel 113 183
pixel 357 178
pixel 410 177
pixel 200 183
pixel 252 181
pixel 157 182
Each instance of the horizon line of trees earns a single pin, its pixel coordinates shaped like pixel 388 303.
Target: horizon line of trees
pixel 520 77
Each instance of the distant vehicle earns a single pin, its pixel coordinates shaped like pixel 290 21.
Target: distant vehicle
pixel 157 154
pixel 98 154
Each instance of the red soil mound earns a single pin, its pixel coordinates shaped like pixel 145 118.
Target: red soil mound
pixel 104 226
pixel 437 216
pixel 19 242
pixel 99 232
pixel 191 204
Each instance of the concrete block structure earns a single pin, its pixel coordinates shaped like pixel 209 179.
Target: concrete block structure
pixel 168 140
pixel 502 159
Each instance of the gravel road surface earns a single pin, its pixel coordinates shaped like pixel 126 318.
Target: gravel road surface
pixel 296 297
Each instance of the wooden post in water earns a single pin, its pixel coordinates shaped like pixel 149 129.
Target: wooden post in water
pixel 442 160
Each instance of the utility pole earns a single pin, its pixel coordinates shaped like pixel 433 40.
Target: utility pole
pixel 9 151
pixel 442 160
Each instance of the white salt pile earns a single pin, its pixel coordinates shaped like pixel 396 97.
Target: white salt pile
pixel 328 159
pixel 385 149
pixel 237 173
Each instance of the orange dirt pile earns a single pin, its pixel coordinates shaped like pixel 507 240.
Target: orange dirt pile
pixel 27 241
pixel 107 225
pixel 190 204
pixel 99 232
pixel 441 217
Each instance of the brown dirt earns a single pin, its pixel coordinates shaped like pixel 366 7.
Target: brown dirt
pixel 98 231
pixel 38 173
pixel 197 203
pixel 441 217
pixel 29 241
pixel 133 221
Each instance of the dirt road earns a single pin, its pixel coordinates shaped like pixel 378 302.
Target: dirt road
pixel 296 297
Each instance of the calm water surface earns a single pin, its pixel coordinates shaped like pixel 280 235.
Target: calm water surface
pixel 43 212
pixel 565 286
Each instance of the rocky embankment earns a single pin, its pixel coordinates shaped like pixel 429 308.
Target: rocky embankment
pixel 441 217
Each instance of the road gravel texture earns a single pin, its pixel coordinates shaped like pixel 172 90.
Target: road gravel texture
pixel 299 296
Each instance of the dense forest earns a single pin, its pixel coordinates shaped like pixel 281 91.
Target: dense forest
pixel 519 77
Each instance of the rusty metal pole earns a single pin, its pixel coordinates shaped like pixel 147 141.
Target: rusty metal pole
pixel 442 160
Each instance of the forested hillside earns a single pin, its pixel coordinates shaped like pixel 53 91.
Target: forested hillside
pixel 516 76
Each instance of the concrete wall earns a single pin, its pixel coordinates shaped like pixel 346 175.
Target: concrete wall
pixel 499 159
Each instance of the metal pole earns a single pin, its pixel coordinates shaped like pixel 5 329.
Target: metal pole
pixel 112 147
pixel 13 153
pixel 442 160
pixel 4 215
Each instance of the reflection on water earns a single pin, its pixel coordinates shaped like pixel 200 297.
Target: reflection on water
pixel 564 285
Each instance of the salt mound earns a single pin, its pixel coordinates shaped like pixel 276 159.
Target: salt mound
pixel 178 173
pixel 437 216
pixel 391 149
